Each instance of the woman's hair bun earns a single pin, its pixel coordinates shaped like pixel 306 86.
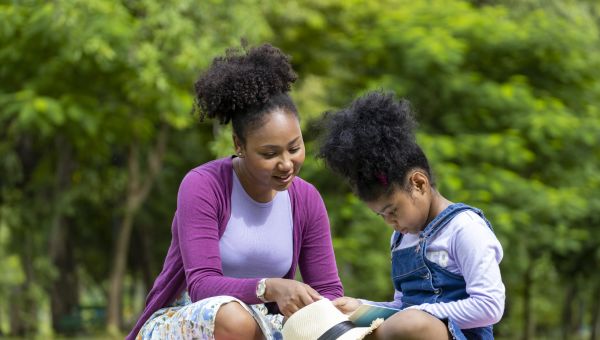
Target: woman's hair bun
pixel 242 80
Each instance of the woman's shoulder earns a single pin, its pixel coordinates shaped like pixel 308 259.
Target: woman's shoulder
pixel 215 167
pixel 217 172
pixel 303 189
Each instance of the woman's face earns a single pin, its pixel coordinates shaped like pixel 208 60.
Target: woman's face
pixel 406 211
pixel 273 153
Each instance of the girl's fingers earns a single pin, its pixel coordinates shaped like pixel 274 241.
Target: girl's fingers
pixel 340 302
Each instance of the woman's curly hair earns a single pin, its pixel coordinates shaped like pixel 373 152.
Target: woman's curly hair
pixel 372 144
pixel 245 84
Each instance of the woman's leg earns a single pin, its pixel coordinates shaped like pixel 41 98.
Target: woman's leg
pixel 219 317
pixel 411 324
pixel 234 322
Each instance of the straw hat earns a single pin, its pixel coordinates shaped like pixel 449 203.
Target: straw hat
pixel 322 321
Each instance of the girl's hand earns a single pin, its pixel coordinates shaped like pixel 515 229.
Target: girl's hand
pixel 347 304
pixel 290 295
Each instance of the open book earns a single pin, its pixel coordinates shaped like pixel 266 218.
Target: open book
pixel 366 313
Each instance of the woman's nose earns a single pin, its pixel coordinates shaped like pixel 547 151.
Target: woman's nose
pixel 286 164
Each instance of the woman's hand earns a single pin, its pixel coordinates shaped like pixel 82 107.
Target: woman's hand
pixel 347 304
pixel 290 295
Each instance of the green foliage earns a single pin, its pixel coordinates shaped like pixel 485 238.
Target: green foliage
pixel 506 97
pixel 82 84
pixel 506 103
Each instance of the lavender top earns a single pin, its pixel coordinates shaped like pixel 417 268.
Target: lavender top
pixel 467 247
pixel 193 262
pixel 245 251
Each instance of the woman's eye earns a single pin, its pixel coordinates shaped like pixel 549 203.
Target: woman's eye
pixel 294 150
pixel 269 155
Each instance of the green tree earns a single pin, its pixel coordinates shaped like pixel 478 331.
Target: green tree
pixel 506 106
pixel 104 84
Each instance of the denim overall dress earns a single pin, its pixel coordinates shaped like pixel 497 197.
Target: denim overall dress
pixel 423 281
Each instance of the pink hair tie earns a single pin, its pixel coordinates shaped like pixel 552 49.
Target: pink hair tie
pixel 382 179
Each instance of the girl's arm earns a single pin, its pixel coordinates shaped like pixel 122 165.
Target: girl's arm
pixel 477 253
pixel 396 303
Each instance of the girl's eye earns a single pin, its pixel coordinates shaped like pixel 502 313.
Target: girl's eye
pixel 269 155
pixel 294 150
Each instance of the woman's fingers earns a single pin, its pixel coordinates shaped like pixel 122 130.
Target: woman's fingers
pixel 314 294
pixel 292 295
pixel 289 310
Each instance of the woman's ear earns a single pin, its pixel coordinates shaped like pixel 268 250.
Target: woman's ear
pixel 237 144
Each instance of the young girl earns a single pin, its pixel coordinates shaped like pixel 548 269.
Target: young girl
pixel 445 256
pixel 245 223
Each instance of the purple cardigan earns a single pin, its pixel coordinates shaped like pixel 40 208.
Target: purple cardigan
pixel 193 261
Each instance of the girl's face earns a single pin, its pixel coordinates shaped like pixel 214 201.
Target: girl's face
pixel 406 211
pixel 272 155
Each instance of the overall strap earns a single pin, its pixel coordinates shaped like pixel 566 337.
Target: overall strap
pixel 441 220
pixel 396 239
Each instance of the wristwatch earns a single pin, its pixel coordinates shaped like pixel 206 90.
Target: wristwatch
pixel 261 288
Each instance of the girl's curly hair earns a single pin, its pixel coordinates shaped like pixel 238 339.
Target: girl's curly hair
pixel 245 84
pixel 372 144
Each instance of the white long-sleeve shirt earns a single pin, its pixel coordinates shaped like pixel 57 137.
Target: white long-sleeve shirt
pixel 466 246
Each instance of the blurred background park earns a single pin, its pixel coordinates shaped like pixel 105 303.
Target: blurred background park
pixel 96 134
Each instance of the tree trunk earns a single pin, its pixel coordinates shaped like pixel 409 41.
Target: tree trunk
pixel 137 191
pixel 145 263
pixel 17 318
pixel 117 275
pixel 64 292
pixel 23 316
pixel 567 310
pixel 528 323
pixel 595 322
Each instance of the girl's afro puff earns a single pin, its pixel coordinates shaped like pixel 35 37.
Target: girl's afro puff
pixel 372 144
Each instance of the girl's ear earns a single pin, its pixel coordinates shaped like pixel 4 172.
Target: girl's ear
pixel 419 181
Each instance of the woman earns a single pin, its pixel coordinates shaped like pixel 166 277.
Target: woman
pixel 244 223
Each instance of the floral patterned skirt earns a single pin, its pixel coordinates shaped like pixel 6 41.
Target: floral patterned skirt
pixel 187 320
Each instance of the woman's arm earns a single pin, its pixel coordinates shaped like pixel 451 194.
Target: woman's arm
pixel 199 209
pixel 317 259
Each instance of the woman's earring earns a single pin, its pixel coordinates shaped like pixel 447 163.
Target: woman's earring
pixel 240 155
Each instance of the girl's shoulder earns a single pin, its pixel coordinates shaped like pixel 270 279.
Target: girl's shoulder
pixel 468 219
pixel 469 229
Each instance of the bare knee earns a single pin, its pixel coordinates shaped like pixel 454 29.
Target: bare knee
pixel 234 322
pixel 412 324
